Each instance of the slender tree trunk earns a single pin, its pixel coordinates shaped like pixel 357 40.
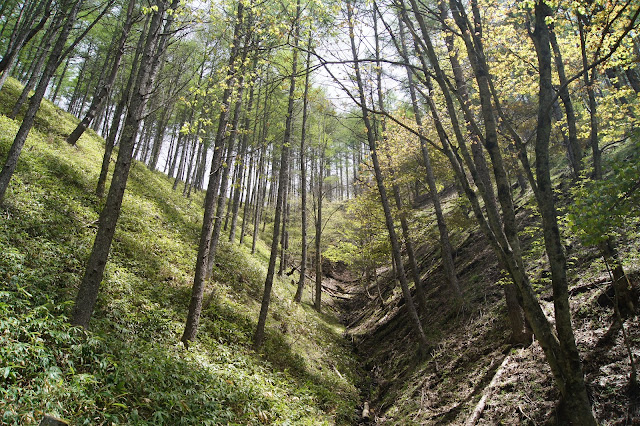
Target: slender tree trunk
pixel 574 150
pixel 303 178
pixel 35 72
pixel 117 115
pixel 154 44
pixel 261 182
pixel 248 198
pixel 589 82
pixel 395 246
pixel 413 264
pixel 159 137
pixel 509 225
pixel 34 104
pixel 258 337
pixel 318 240
pixel 178 144
pixel 226 170
pixel 60 80
pixel 189 175
pixel 240 167
pixel 578 407
pixel 195 306
pixel 24 32
pixel 103 93
pixel 285 222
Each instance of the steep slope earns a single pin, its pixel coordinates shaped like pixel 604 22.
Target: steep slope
pixel 130 367
pixel 472 373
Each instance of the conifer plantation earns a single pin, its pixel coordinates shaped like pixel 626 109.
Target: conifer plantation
pixel 319 212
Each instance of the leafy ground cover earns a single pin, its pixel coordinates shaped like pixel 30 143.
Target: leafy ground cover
pixel 130 368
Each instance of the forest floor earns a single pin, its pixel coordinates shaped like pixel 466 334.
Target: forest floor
pixel 472 369
pixel 130 367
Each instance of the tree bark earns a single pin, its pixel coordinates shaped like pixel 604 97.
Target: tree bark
pixel 195 306
pixel 574 150
pixel 445 242
pixel 24 32
pixel 240 167
pixel 154 44
pixel 258 337
pixel 317 303
pixel 36 71
pixel 103 94
pixel 395 246
pixel 578 407
pixel 34 104
pixel 117 115
pixel 303 177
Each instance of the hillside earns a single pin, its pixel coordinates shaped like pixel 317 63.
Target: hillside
pixel 473 374
pixel 131 368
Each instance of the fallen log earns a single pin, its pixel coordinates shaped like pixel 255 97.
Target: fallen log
pixel 477 412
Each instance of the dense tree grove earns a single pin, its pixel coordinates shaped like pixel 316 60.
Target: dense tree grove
pixel 284 112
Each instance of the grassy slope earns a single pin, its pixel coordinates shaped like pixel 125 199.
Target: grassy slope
pixel 470 344
pixel 130 368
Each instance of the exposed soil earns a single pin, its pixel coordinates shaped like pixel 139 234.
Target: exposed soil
pixel 471 344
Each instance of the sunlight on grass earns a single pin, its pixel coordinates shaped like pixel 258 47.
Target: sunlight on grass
pixel 130 367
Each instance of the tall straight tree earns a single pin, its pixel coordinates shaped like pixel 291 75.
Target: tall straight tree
pixel 103 93
pixel 320 194
pixel 445 243
pixel 67 16
pixel 393 238
pixel 258 337
pixel 157 38
pixel 303 177
pixel 413 263
pixel 571 379
pixel 202 259
pixel 125 97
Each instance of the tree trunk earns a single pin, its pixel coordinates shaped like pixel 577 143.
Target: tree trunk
pixel 35 72
pixel 318 240
pixel 195 306
pixel 240 167
pixel 117 115
pixel 258 337
pixel 303 178
pixel 34 104
pixel 226 169
pixel 395 246
pixel 445 243
pixel 103 94
pixel 574 150
pixel 24 32
pixel 578 407
pixel 589 82
pixel 154 44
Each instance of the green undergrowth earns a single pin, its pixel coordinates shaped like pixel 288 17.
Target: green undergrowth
pixel 130 368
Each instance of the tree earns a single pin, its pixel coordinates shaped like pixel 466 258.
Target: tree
pixel 571 378
pixel 30 20
pixel 303 177
pixel 258 337
pixel 101 96
pixel 240 30
pixel 395 246
pixel 66 17
pixel 155 43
